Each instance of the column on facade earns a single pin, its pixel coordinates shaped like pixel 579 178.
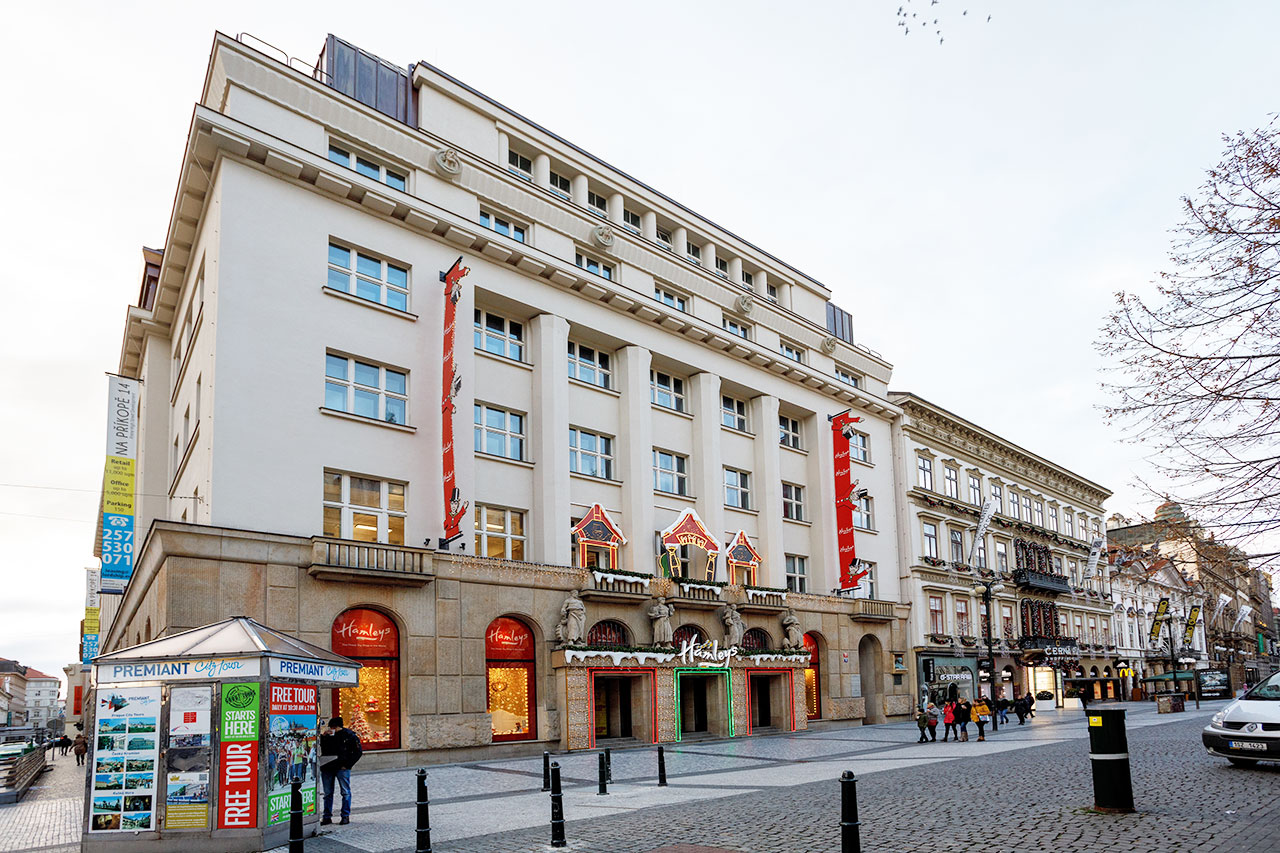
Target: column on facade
pixel 635 458
pixel 578 190
pixel 504 148
pixel 735 271
pixel 708 458
pixel 542 170
pixel 820 503
pixel 768 469
pixel 649 225
pixel 760 283
pixel 679 241
pixel 709 255
pixel 549 439
pixel 616 204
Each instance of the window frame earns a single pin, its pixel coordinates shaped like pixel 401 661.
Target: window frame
pixel 515 161
pixel 600 365
pixel 385 513
pixel 737 487
pixel 792 501
pixel 929 540
pixel 359 157
pixel 674 390
pixel 924 472
pixel 603 454
pixel 678 472
pixel 593 265
pixel 737 328
pixel 790 432
pixel 937 615
pixel 864 513
pixel 515 230
pixel 792 351
pixel 797 573
pixel 636 226
pixel 510 438
pixel 387 288
pixel 351 386
pixel 560 185
pixel 510 538
pixel 951 482
pixel 975 490
pixel 671 298
pixel 733 409
pixel 511 335
pixel 597 204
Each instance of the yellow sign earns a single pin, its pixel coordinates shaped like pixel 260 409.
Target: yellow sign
pixel 118 486
pixel 91 620
pixel 1095 722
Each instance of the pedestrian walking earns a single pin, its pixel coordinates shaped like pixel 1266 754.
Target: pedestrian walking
pixel 1084 698
pixel 922 722
pixel 964 715
pixel 934 715
pixel 1002 708
pixel 1031 705
pixel 949 721
pixel 982 716
pixel 80 746
pixel 344 745
pixel 1020 708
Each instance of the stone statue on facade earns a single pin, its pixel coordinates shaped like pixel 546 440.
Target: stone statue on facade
pixel 792 636
pixel 733 626
pixel 660 617
pixel 572 630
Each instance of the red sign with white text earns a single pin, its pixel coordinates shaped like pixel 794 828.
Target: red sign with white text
pixel 293 699
pixel 238 799
pixel 364 633
pixel 846 499
pixel 454 506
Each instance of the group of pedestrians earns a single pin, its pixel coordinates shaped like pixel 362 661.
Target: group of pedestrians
pixel 956 715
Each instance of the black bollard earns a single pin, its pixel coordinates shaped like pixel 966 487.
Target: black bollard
pixel 424 814
pixel 557 808
pixel 295 815
pixel 662 768
pixel 546 771
pixel 1109 755
pixel 608 763
pixel 850 832
pixel 603 778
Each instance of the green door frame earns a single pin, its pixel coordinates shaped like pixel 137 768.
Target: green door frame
pixel 705 670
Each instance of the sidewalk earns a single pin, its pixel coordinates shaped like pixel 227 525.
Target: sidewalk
pixel 48 817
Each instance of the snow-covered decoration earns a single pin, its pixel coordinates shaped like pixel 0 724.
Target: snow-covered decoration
pixel 741 556
pixel 571 655
pixel 688 585
pixel 753 594
pixel 687 529
pixel 601 577
pixel 781 657
pixel 597 530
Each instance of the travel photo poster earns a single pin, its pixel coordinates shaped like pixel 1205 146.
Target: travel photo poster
pixel 125 752
pixel 292 747
pixel 188 758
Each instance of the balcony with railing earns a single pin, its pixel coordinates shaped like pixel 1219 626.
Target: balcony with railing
pixel 1041 581
pixel 872 610
pixel 369 562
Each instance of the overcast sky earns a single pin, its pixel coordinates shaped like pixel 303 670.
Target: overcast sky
pixel 974 203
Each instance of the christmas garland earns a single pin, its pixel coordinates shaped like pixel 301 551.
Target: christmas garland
pixel 764 588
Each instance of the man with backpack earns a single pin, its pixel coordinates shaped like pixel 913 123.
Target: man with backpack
pixel 344 746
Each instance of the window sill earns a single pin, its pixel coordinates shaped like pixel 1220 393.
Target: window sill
pixel 863 464
pixel 689 498
pixel 574 475
pixel 504 359
pixel 671 411
pixel 377 306
pixel 742 432
pixel 594 387
pixel 802 521
pixel 741 510
pixel 518 462
pixel 799 450
pixel 870 530
pixel 349 416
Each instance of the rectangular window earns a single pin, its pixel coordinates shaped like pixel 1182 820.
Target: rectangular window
pixel 1073 572
pixel 498 335
pixel 860 447
pixel 363 509
pixel 791 351
pixel 937 620
pixel 520 165
pixel 369 167
pixel 793 502
pixel 631 221
pixel 748 280
pixel 931 540
pixel 789 432
pixel 560 186
pixel 694 253
pixel 502 225
pixel 368 277
pixel 957 546
pixel 848 377
pixel 950 482
pixel 1026 508
pixel 1037 514
pixel 997 495
pixel 733 413
pixel 1079 623
pixel 975 491
pixel 924 472
pixel 862 516
pixel 797 574
pixel 1053 519
pixel 499 432
pixel 737 488
pixel 499 533
pixel 1002 556
pixel 666 390
pixel 733 327
pixel 593 265
pixel 1006 621
pixel 590 454
pixel 722 267
pixel 1068 521
pixel 670 298
pixel 670 473
pixel 963 625
pixel 664 239
pixel 1014 507
pixel 980 554
pixel 365 389
pixel 590 365
pixel 597 204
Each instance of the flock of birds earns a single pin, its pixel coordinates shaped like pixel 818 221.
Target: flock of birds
pixel 907 19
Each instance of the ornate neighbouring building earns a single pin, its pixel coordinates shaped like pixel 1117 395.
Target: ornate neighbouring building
pixel 1050 619
pixel 647 397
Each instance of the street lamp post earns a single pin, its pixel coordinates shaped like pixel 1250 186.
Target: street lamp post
pixel 988 587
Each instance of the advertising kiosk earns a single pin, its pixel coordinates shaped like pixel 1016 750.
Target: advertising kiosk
pixel 194 739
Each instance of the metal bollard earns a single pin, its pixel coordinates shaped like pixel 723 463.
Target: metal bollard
pixel 603 778
pixel 424 814
pixel 608 763
pixel 546 771
pixel 557 808
pixel 295 815
pixel 1109 755
pixel 662 768
pixel 850 831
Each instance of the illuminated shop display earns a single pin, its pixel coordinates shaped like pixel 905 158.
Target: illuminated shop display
pixel 508 649
pixel 371 709
pixel 812 691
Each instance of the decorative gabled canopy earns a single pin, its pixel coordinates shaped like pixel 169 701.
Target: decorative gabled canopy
pixel 688 529
pixel 596 530
pixel 741 555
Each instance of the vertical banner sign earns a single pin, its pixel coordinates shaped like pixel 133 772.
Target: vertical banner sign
pixel 454 507
pixel 1241 616
pixel 846 497
pixel 187 758
pixel 1162 613
pixel 1192 619
pixel 1095 551
pixel 238 759
pixel 125 752
pixel 118 483
pixel 293 748
pixel 92 613
pixel 984 521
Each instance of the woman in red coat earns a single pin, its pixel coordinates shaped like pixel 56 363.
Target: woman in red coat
pixel 949 721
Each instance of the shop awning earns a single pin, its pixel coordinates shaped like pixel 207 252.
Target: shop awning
pixel 1182 675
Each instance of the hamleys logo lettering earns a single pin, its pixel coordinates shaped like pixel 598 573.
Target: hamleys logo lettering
pixel 369 632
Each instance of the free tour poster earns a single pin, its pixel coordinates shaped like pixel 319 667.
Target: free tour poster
pixel 293 747
pixel 125 753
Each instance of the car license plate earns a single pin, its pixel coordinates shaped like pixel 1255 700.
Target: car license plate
pixel 1246 744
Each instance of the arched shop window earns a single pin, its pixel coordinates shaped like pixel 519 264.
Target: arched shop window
pixel 688 633
pixel 812 673
pixel 755 638
pixel 371 709
pixel 508 651
pixel 606 633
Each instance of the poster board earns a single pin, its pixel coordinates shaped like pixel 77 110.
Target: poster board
pixel 126 752
pixel 188 758
pixel 293 747
pixel 238 756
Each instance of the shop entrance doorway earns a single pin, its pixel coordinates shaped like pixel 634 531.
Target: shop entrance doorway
pixel 704 703
pixel 768 695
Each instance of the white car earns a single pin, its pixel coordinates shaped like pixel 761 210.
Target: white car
pixel 1248 730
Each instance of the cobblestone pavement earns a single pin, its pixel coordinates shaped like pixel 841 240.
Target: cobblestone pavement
pixel 48 817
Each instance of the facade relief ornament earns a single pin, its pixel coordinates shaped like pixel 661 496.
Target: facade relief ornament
pixel 660 618
pixel 829 344
pixel 602 236
pixel 448 162
pixel 744 304
pixel 572 629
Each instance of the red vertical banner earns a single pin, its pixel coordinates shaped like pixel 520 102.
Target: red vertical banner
pixel 455 508
pixel 238 757
pixel 846 498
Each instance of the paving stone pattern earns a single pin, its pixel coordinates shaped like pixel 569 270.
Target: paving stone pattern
pixel 48 816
